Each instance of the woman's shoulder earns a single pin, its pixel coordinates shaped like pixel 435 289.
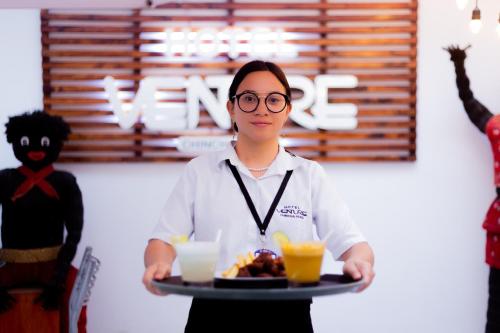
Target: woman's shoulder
pixel 312 170
pixel 306 164
pixel 205 162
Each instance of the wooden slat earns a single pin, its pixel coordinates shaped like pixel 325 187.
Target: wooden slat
pixel 102 113
pixel 353 42
pixel 79 113
pixel 153 148
pixel 271 5
pixel 385 124
pixel 93 101
pixel 379 158
pixel 348 136
pixel 131 159
pixel 352 147
pixel 375 100
pixel 311 41
pixel 304 135
pixel 117 148
pixel 86 89
pixel 117 159
pixel 94 76
pixel 83 89
pixel 362 124
pixel 222 65
pixel 120 136
pixel 328 30
pixel 233 19
pixel 142 54
pixel 385 113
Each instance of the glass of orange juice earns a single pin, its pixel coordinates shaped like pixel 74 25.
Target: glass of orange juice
pixel 303 261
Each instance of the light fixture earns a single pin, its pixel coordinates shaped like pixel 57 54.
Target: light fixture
pixel 498 26
pixel 475 23
pixel 461 4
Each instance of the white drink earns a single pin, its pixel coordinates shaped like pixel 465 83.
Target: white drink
pixel 197 260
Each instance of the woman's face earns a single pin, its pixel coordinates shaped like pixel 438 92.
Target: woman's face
pixel 260 125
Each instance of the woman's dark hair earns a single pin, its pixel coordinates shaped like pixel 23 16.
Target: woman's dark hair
pixel 258 66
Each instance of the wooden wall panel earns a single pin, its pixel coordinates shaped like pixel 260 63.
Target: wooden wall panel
pixel 375 41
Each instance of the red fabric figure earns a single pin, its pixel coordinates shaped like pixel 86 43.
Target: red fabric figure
pixel 487 123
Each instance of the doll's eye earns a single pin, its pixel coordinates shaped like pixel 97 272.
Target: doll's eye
pixel 45 142
pixel 25 141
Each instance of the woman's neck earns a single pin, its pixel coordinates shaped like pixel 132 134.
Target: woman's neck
pixel 256 155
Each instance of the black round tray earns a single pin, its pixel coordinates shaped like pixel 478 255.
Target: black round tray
pixel 255 288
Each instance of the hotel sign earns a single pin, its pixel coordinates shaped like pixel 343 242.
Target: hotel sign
pixel 152 84
pixel 145 106
pixel 210 42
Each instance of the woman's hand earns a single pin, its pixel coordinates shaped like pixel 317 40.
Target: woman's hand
pixel 158 259
pixel 157 271
pixel 358 263
pixel 359 269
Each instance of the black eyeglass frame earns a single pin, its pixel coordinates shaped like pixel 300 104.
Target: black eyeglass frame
pixel 237 97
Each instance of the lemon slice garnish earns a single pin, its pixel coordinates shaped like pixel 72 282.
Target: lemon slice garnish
pixel 280 238
pixel 177 239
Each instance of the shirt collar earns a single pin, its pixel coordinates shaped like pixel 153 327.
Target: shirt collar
pixel 228 153
pixel 283 162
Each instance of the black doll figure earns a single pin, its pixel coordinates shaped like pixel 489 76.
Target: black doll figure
pixel 39 204
pixel 489 124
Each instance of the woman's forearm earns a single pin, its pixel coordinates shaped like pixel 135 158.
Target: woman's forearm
pixel 158 251
pixel 359 251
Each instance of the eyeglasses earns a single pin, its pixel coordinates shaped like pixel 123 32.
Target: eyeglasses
pixel 249 101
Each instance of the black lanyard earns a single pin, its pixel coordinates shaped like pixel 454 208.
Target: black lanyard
pixel 262 226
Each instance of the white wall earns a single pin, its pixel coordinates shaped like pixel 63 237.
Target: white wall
pixel 20 70
pixel 423 219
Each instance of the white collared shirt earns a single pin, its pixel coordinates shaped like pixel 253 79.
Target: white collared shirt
pixel 207 198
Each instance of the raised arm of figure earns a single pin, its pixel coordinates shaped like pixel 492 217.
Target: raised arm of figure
pixel 477 112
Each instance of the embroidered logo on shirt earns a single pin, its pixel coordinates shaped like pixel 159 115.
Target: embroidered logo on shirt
pixel 291 211
pixel 259 251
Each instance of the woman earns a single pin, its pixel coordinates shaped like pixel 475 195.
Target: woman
pixel 208 197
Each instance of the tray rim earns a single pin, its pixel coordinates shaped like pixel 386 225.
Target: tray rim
pixel 291 292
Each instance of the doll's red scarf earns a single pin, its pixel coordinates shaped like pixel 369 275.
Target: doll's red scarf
pixel 35 179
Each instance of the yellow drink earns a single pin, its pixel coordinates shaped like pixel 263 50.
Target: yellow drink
pixel 303 261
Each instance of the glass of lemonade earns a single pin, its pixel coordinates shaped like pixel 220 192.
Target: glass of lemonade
pixel 303 261
pixel 197 260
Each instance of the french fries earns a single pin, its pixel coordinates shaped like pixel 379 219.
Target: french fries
pixel 231 272
pixel 250 258
pixel 242 261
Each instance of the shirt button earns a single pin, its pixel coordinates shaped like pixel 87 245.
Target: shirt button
pixel 495 239
pixel 492 253
pixel 496 165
